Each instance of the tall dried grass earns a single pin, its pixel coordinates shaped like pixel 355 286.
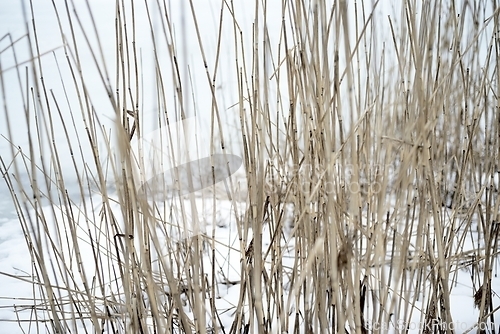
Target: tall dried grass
pixel 383 145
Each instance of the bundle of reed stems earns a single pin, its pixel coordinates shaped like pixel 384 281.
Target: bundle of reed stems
pixel 368 143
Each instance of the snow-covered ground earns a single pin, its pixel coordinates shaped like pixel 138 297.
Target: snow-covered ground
pixel 17 295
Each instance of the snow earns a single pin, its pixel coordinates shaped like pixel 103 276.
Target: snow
pixel 17 295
